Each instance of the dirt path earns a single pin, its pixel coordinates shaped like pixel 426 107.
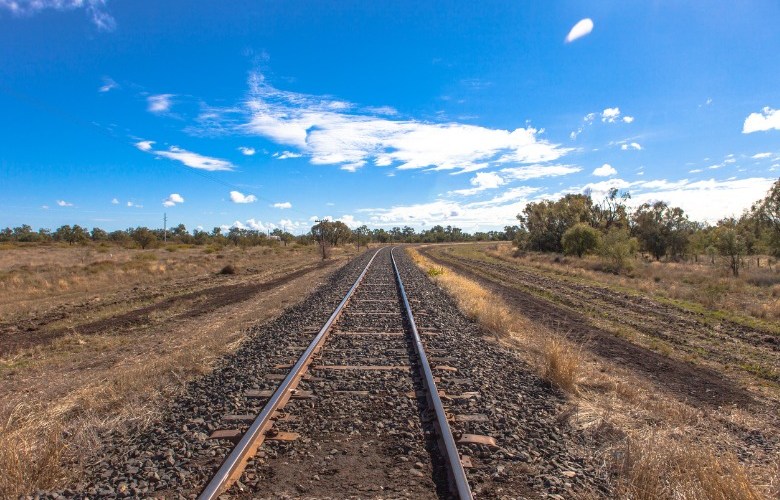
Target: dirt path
pixel 686 381
pixel 191 304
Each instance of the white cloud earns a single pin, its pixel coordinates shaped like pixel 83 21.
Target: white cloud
pixel 44 207
pixel 768 119
pixel 632 145
pixel 695 171
pixel 159 103
pixel 286 154
pixel 610 115
pixel 134 205
pixel 115 201
pixel 761 156
pixel 188 158
pixel 64 203
pixel 628 119
pixel 172 200
pixel 252 224
pixel 195 160
pixel 703 200
pixel 579 30
pixel 332 135
pixel 605 170
pixel 497 212
pixel 144 145
pixel 108 84
pixel 481 181
pixel 246 151
pixel 237 197
pixel 283 205
pixel 709 200
pixel 95 9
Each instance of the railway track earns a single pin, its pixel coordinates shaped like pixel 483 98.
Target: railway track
pixel 367 359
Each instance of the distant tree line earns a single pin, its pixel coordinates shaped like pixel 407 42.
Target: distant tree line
pixel 327 234
pixel 576 225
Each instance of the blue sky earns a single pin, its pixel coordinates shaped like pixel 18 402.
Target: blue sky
pixel 269 114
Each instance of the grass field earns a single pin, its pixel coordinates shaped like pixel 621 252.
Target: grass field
pixel 93 338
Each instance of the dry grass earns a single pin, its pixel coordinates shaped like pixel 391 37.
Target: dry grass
pixel 57 399
pixel 28 457
pixel 755 294
pixel 639 430
pixel 673 467
pixel 29 275
pixel 561 364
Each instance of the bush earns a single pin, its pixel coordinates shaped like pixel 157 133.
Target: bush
pixel 580 239
pixel 617 250
pixel 228 269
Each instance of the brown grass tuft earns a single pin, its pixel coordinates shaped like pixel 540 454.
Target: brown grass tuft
pixel 30 454
pixel 561 364
pixel 673 467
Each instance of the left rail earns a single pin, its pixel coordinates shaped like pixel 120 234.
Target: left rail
pixel 234 464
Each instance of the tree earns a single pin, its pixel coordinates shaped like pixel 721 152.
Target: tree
pixel 767 213
pixel 612 211
pixel 330 233
pixel 361 235
pixel 617 249
pixel 546 221
pixel 730 243
pixel 144 237
pixel 580 239
pixel 662 229
pixel 99 234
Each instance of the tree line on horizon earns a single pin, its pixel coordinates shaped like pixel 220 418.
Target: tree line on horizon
pixel 574 225
pixel 335 233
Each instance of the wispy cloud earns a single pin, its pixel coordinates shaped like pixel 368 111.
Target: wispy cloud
pixel 286 154
pixel 95 9
pixel 282 205
pixel 238 197
pixel 64 203
pixel 159 103
pixel 190 159
pixel 247 151
pixel 330 133
pixel 172 200
pixel 483 181
pixel 579 30
pixel 115 201
pixel 767 119
pixel 609 115
pixel 108 85
pixel 631 145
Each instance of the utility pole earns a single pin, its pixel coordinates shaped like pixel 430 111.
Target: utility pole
pixel 165 227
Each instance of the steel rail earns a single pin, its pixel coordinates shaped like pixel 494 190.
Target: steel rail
pixel 234 464
pixel 451 455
